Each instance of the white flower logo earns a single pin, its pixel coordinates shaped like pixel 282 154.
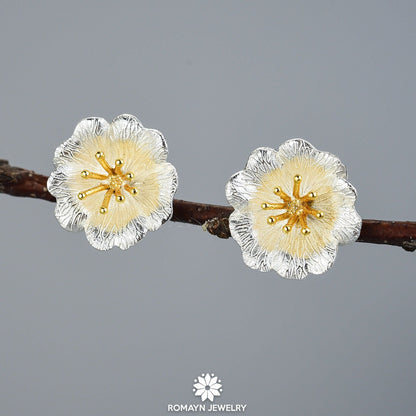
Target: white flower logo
pixel 207 386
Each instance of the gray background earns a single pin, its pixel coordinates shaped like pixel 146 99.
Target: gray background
pixel 89 333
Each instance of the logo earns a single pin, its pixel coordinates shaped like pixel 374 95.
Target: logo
pixel 207 387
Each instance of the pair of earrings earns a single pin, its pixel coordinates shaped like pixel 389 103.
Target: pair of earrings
pixel 292 206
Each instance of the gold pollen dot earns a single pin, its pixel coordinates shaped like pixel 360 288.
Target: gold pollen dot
pixel 81 195
pixel 134 191
pixel 85 173
pixel 103 210
pixel 119 162
pixel 129 175
pixel 297 178
pixel 120 198
pixel 99 155
pixel 320 214
pixel 305 231
pixel 264 205
pixel 312 195
pixel 276 190
pixel 270 220
pixel 287 228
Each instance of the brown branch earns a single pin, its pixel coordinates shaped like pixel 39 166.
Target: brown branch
pixel 214 218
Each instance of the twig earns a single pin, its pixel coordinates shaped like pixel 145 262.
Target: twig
pixel 214 218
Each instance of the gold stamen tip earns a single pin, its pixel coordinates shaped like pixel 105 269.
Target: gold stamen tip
pixel 297 178
pixel 129 175
pixel 312 195
pixel 276 190
pixel 305 231
pixel 287 228
pixel 119 162
pixel 134 191
pixel 81 195
pixel 85 173
pixel 99 155
pixel 103 210
pixel 271 220
pixel 320 214
pixel 264 205
pixel 120 198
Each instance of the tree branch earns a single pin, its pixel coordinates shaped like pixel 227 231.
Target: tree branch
pixel 214 218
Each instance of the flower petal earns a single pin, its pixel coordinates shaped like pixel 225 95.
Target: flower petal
pixel 242 232
pixel 216 386
pixel 87 129
pixel 125 127
pixel 331 163
pixel 348 226
pixel 241 188
pixel 201 380
pixel 124 238
pixel 67 210
pixel 168 183
pixel 295 148
pixel 263 160
pixel 213 380
pixel 321 262
pixel 207 379
pixel 204 395
pixel 199 392
pixel 199 386
pixel 128 127
pixel 289 267
pixel 210 396
pixel 215 392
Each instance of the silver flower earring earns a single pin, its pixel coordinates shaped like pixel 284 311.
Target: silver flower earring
pixel 292 207
pixel 113 181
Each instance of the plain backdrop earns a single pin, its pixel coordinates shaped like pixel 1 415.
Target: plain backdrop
pixel 91 333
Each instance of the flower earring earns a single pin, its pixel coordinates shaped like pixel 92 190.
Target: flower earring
pixel 292 207
pixel 113 181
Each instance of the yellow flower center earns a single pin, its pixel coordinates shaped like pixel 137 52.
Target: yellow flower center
pixel 297 208
pixel 115 179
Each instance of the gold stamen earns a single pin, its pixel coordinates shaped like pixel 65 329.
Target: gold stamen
pixel 92 191
pixel 298 208
pixel 92 175
pixel 128 175
pixel 267 205
pixel 274 218
pixel 119 196
pixel 131 189
pixel 101 159
pixel 296 186
pixel 278 191
pixel 118 164
pixel 106 201
pixel 314 212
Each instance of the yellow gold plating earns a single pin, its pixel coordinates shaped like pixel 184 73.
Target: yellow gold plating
pixel 297 208
pixel 115 182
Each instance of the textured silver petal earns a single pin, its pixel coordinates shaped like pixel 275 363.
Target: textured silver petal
pixel 241 187
pixel 242 232
pixel 331 163
pixel 289 267
pixel 126 126
pixel 124 238
pixel 295 147
pixel 168 182
pixel 67 210
pixel 321 262
pixel 85 130
pixel 263 160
